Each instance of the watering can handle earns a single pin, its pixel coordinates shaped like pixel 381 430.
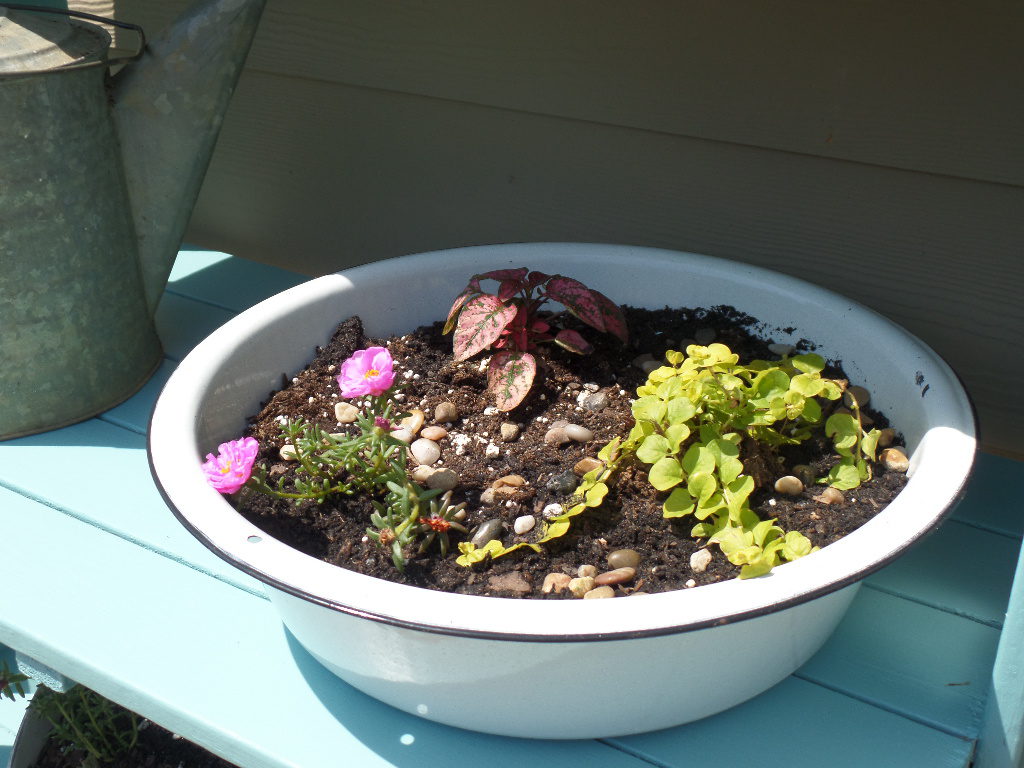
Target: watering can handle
pixel 87 16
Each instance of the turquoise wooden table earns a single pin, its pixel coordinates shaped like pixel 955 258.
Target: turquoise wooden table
pixel 102 584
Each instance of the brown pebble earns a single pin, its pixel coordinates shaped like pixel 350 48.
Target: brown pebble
pixel 581 586
pixel 895 460
pixel 830 496
pixel 414 421
pixel 856 394
pixel 509 582
pixel 624 558
pixel 599 593
pixel 886 437
pixel 502 492
pixel 515 481
pixel 557 582
pixel 618 576
pixel 789 485
pixel 434 433
pixel 804 473
pixel 556 436
pixel 587 464
pixel 445 412
pixel 509 431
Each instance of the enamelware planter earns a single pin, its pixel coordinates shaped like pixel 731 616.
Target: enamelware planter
pixel 553 669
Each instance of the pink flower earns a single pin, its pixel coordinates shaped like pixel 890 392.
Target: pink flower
pixel 367 372
pixel 230 469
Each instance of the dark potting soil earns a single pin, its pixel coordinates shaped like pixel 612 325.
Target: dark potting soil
pixel 156 748
pixel 629 518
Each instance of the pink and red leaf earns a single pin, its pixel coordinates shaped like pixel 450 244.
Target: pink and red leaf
pixel 614 320
pixel 578 299
pixel 572 341
pixel 508 289
pixel 503 274
pixel 510 375
pixel 481 322
pixel 449 323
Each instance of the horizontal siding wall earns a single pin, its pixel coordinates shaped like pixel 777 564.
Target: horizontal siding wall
pixel 871 147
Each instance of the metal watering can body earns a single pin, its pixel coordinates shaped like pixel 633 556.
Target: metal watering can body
pixel 98 178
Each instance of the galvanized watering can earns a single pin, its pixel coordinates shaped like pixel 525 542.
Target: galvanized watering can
pixel 98 177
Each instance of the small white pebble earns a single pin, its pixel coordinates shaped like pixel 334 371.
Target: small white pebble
pixel 408 374
pixel 311 400
pixel 691 583
pixel 483 365
pixel 622 392
pixel 591 386
pixel 415 377
pixel 400 396
pixel 492 451
pixel 524 524
pixel 331 368
pixel 295 381
pixel 771 502
pixel 490 410
pixel 552 510
pixel 365 539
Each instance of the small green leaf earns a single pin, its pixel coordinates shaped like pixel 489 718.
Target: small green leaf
pixel 680 409
pixel 678 504
pixel 654 448
pixel 649 408
pixel 674 356
pixel 698 459
pixel 665 474
pixel 610 451
pixel 808 363
pixel 795 545
pixel 676 434
pixel 844 477
pixel 843 429
pixel 670 388
pixel 701 485
pixel 595 495
pixel 806 384
pixel 736 494
pixel 812 411
pixel 726 458
pixel 869 443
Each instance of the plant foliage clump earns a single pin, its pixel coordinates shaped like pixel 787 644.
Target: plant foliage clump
pixel 508 321
pixel 694 418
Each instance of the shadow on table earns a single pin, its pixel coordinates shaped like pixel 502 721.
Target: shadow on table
pixel 406 740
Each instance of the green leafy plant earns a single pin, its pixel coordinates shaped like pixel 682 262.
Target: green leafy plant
pixel 369 461
pixel 11 682
pixel 88 722
pixel 695 418
pixel 508 321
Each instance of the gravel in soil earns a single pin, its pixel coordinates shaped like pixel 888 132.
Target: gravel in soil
pixel 630 517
